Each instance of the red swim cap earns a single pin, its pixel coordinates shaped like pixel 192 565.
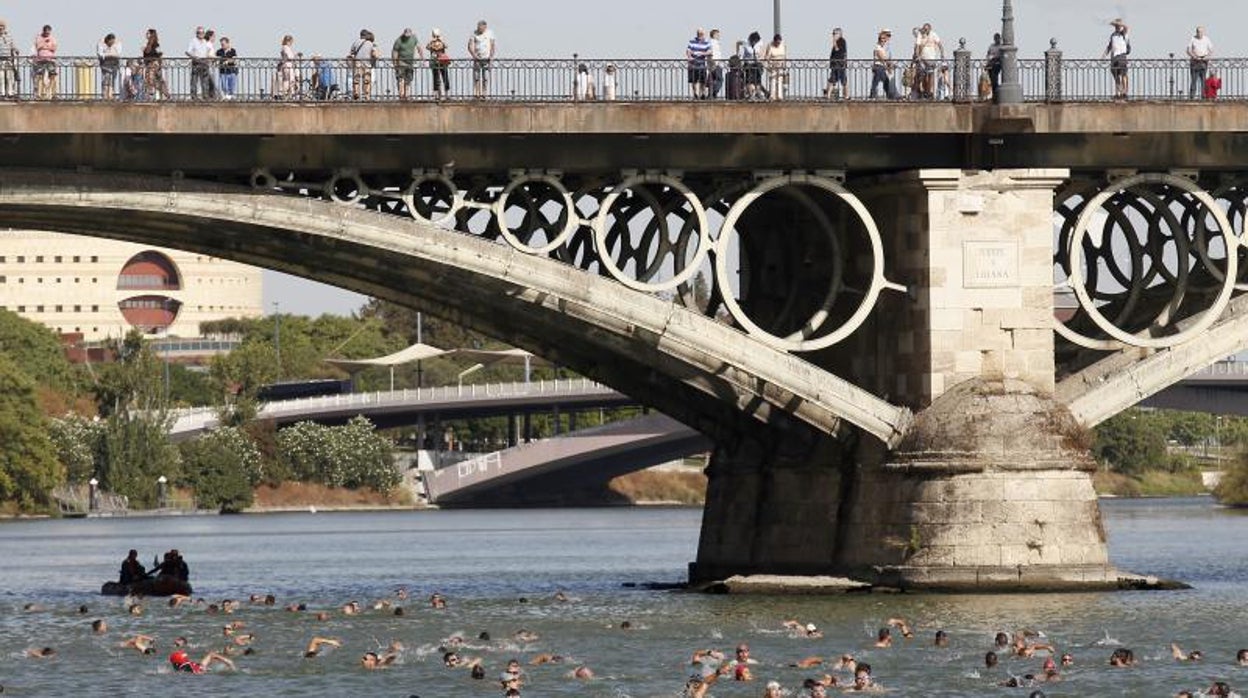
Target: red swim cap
pixel 178 658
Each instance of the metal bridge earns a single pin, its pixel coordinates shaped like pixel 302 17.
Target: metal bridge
pixel 400 407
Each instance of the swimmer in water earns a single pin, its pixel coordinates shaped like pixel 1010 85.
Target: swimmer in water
pixel 1068 659
pixel 1241 657
pixel 900 624
pixel 1122 657
pixel 316 643
pixel 181 661
pixel 772 690
pixel 583 672
pixel 41 653
pixel 145 644
pixel 846 663
pixel 697 686
pixel 1180 656
pixel 1024 649
pixel 99 626
pixel 523 635
pixel 990 659
pixel 1001 642
pixel 807 663
pixel 561 597
pixel 351 608
pixel 884 638
pixel 372 660
pixel 545 659
pixel 942 639
pixel 437 600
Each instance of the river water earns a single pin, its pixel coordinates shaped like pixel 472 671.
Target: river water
pixel 484 562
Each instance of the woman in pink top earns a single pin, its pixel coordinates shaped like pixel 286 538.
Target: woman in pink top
pixel 45 64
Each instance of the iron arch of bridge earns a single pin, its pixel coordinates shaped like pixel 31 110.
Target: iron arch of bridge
pixel 697 370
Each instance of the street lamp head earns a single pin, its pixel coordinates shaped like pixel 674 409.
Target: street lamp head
pixel 93 482
pixel 162 479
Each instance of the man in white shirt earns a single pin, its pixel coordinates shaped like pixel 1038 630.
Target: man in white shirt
pixel 200 52
pixel 928 49
pixel 109 53
pixel 1199 51
pixel 481 47
pixel 717 65
pixel 1117 51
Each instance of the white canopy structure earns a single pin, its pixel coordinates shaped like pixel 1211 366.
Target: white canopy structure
pixel 420 352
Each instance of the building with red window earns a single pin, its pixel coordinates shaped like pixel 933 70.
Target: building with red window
pixel 100 288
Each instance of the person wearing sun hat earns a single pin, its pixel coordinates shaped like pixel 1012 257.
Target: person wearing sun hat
pixel 1117 50
pixel 882 66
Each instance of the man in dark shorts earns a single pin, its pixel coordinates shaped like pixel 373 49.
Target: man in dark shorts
pixel 404 53
pixel 698 51
pixel 837 63
pixel 1117 51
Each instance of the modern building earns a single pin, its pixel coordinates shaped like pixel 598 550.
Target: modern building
pixel 104 288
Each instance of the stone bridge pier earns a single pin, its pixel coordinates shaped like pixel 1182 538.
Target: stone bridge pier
pixel 990 486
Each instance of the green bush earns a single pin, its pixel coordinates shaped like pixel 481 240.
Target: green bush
pixel 223 467
pixel 1232 489
pixel 79 443
pixel 350 456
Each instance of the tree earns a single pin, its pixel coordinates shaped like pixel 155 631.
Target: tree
pixel 223 467
pixel 36 351
pixel 1130 443
pixel 130 393
pixel 237 378
pixel 28 466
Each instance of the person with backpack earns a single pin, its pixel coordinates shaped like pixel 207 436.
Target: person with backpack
pixel 362 58
pixel 1116 51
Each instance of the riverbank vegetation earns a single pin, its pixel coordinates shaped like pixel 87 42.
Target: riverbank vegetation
pixel 1160 453
pixel 1232 489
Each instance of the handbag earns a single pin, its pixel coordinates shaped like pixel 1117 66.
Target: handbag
pixel 443 59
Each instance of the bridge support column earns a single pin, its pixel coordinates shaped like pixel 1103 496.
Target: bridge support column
pixel 990 489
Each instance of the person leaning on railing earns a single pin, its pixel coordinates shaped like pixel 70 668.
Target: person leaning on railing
pixel 45 64
pixel 8 63
pixel 227 68
pixel 1199 51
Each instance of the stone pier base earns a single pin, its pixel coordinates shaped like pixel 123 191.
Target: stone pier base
pixel 990 491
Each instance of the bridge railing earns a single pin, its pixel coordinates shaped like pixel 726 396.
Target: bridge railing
pixel 196 418
pixel 635 80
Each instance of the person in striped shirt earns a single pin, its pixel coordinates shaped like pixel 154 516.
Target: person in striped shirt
pixel 698 52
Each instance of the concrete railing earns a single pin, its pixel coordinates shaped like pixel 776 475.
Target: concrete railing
pixel 200 418
pixel 957 77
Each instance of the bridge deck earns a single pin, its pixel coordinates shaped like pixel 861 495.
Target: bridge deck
pixel 234 138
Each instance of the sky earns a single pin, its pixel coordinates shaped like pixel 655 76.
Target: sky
pixel 627 29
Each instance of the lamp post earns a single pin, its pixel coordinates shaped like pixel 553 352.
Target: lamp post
pixel 93 499
pixel 161 500
pixel 1011 88
pixel 776 16
pixel 277 334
